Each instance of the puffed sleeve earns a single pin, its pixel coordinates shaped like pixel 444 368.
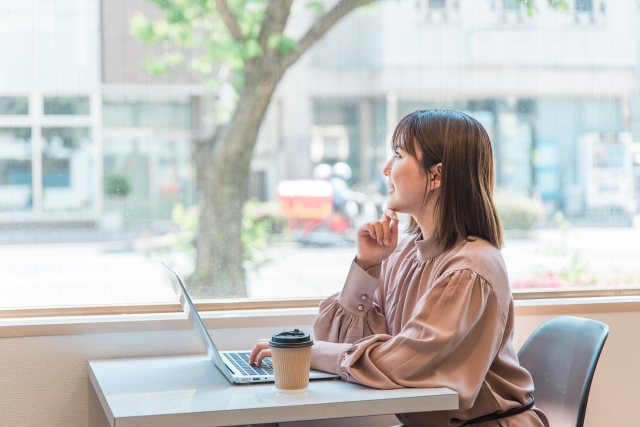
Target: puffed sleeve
pixel 348 316
pixel 456 322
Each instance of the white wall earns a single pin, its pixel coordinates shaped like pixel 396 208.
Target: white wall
pixel 44 380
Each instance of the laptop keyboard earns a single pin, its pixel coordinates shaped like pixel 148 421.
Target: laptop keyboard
pixel 241 362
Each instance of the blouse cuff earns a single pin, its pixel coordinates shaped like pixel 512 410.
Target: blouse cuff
pixel 328 356
pixel 357 293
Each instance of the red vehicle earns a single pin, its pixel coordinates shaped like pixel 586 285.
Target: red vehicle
pixel 308 204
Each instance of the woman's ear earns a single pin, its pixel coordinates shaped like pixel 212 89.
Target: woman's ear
pixel 436 176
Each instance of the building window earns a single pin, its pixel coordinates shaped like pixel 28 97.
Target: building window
pixel 436 11
pixel 15 169
pixel 590 12
pixel 67 169
pixel 512 12
pixel 147 113
pixel 584 5
pixel 66 106
pixel 14 105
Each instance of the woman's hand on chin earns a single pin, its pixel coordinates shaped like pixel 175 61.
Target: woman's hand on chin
pixel 377 240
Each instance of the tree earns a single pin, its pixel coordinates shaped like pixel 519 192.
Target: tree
pixel 244 40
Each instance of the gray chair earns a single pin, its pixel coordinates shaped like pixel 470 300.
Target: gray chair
pixel 561 356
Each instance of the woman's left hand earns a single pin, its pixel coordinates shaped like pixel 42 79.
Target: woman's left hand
pixel 259 352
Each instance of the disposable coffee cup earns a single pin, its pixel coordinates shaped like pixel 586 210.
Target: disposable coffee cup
pixel 291 356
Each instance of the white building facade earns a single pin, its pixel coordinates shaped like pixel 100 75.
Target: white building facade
pixel 538 83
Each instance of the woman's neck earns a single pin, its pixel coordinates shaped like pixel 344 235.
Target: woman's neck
pixel 426 218
pixel 427 224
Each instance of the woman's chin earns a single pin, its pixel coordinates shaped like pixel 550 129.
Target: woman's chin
pixel 394 207
pixel 393 204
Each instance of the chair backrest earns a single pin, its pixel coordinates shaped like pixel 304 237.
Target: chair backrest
pixel 561 356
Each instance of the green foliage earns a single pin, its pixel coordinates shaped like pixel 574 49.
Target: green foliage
pixel 116 185
pixel 557 5
pixel 260 224
pixel 256 226
pixel 575 268
pixel 561 264
pixel 282 43
pixel 187 221
pixel 316 6
pixel 367 8
pixel 197 25
pixel 519 213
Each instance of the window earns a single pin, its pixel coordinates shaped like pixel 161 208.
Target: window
pixel 66 106
pixel 437 11
pixel 512 12
pixel 117 149
pixel 173 113
pixel 67 169
pixel 18 105
pixel 15 169
pixel 590 11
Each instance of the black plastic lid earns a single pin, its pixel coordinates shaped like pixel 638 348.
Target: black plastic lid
pixel 291 339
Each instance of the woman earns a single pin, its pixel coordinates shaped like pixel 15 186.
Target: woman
pixel 436 309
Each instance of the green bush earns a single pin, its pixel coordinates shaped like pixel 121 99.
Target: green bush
pixel 116 185
pixel 260 223
pixel 518 213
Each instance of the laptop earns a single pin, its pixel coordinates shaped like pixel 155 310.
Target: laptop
pixel 234 365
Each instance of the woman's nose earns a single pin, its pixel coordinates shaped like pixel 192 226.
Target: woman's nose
pixel 387 168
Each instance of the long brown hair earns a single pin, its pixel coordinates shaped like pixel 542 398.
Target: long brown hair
pixel 465 207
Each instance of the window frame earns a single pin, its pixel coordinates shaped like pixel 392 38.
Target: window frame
pixel 274 304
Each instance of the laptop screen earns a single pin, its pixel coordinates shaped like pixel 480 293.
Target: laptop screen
pixel 194 318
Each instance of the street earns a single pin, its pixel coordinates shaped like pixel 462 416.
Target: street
pixel 89 272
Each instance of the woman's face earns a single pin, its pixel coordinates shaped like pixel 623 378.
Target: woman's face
pixel 407 183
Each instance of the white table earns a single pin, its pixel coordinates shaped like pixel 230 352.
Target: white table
pixel 189 391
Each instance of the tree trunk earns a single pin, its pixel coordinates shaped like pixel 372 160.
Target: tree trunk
pixel 223 175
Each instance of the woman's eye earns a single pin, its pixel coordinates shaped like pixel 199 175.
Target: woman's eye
pixel 396 154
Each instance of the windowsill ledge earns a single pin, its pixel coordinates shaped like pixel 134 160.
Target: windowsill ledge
pixel 98 324
pixel 73 325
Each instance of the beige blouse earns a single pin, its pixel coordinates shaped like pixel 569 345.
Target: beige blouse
pixel 428 318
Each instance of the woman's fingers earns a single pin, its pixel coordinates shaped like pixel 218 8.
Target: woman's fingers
pixel 393 227
pixel 393 231
pixel 379 232
pixel 391 215
pixel 386 230
pixel 257 349
pixel 392 218
pixel 371 229
pixel 264 353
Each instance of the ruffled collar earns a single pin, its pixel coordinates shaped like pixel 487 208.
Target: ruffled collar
pixel 427 248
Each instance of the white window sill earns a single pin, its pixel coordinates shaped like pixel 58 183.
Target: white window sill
pixel 72 325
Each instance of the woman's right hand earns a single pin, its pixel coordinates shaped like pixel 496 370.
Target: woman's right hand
pixel 377 240
pixel 259 352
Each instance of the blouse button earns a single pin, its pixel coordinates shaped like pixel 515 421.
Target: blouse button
pixel 364 297
pixel 360 307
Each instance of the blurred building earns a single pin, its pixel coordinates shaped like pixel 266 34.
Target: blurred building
pixel 86 134
pixel 541 85
pixel 82 124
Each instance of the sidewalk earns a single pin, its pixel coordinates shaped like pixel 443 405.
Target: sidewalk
pixel 59 271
